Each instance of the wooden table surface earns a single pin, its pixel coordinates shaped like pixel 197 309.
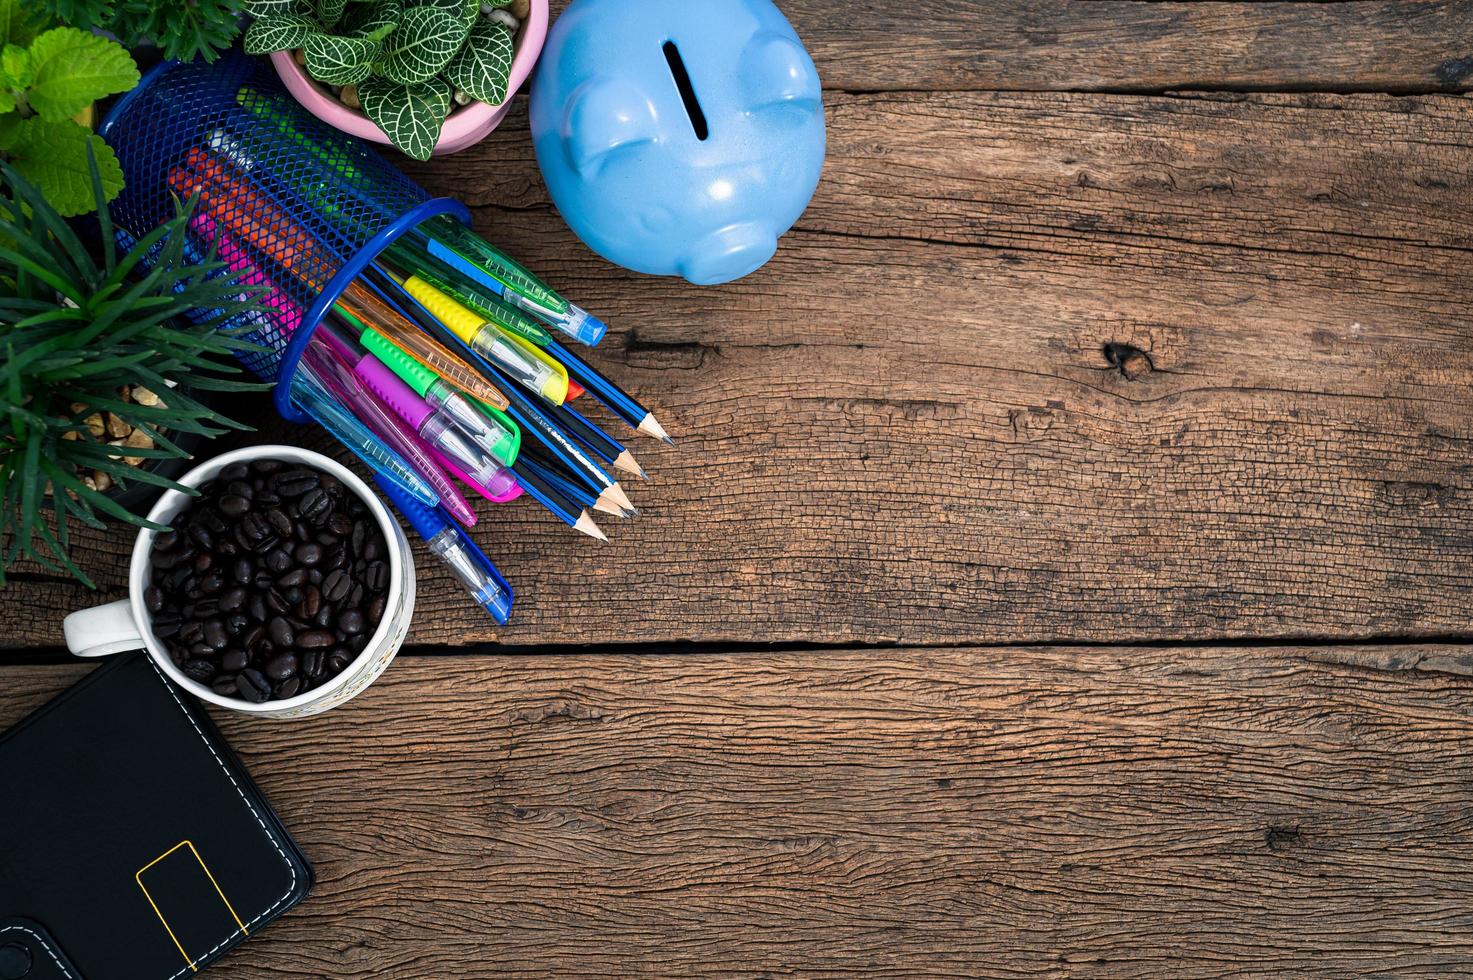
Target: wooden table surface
pixel 1064 569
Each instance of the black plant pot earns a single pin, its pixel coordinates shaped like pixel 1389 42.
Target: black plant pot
pixel 139 498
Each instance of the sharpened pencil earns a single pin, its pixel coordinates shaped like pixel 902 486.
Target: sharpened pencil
pixel 610 395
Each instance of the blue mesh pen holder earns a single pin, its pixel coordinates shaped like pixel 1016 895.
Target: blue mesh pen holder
pixel 289 202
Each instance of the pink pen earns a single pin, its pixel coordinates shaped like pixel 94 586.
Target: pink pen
pixel 500 485
pixel 287 315
pixel 386 425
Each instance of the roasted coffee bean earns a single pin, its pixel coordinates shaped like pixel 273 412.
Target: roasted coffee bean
pixel 338 660
pixel 340 524
pixel 227 548
pixel 235 471
pixel 278 561
pixel 233 505
pixel 266 498
pixel 201 536
pixel 375 609
pixel 293 595
pixel 165 560
pixel 166 626
pixel 355 598
pixel 314 662
pixel 201 650
pixel 241 488
pixel 308 554
pixel 224 685
pixel 215 634
pixel 265 467
pixel 336 557
pixel 276 602
pixel 331 484
pixel 301 532
pixel 358 642
pixel 241 571
pixel 234 659
pixel 359 537
pixel 311 601
pixel 314 575
pixel 233 599
pixel 256 606
pixel 174 581
pixel 314 639
pixel 262 579
pixel 280 522
pixel 153 598
pixel 252 637
pixel 281 632
pixel 324 616
pixel 212 520
pixel 198 670
pixel 206 608
pixel 376 576
pixel 252 686
pixel 212 583
pixel 288 688
pixel 350 622
pixel 316 507
pixel 282 666
pixel 165 541
pixel 203 562
pixel 373 549
pixel 254 532
pixel 235 623
pixel 293 578
pixel 192 632
pixel 294 483
pixel 337 585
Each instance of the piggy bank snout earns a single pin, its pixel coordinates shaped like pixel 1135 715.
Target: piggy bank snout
pixel 727 254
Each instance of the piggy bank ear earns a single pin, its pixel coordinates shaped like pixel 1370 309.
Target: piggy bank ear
pixel 777 73
pixel 603 116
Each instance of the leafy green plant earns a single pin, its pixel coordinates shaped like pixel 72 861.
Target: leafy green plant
pixel 184 29
pixel 74 326
pixel 46 78
pixel 406 65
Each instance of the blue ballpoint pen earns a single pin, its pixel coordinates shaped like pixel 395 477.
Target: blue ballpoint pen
pixel 311 394
pixel 468 563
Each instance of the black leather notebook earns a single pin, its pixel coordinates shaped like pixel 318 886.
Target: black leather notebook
pixel 133 845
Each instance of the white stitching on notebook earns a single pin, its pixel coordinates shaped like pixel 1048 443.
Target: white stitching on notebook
pixel 244 799
pixel 42 943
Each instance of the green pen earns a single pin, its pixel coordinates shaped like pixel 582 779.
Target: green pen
pixel 492 429
pixel 486 305
pixel 470 255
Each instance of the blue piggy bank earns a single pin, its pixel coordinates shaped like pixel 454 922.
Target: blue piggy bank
pixel 678 137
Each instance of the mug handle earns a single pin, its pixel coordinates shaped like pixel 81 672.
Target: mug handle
pixel 102 630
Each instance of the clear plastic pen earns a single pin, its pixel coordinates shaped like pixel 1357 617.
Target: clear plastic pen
pixel 310 392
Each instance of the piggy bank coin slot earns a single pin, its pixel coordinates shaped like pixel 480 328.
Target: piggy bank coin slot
pixel 687 93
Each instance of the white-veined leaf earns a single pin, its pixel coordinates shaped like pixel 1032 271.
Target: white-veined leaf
pixel 282 32
pixel 425 41
pixel 482 67
pixel 410 115
pixel 339 60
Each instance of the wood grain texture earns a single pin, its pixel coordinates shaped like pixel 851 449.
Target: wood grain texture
pixel 1122 45
pixel 1032 368
pixel 949 812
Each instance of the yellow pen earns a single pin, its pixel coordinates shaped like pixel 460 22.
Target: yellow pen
pixel 520 359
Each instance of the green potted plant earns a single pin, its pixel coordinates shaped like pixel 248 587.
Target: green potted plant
pixel 49 79
pixel 182 30
pixel 432 76
pixel 95 343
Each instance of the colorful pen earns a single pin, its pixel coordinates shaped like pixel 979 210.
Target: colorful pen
pixel 466 561
pixel 520 359
pixel 457 246
pixel 310 392
pixel 488 306
pixel 500 487
pixel 372 411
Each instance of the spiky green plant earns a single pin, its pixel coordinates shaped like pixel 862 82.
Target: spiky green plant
pixel 75 325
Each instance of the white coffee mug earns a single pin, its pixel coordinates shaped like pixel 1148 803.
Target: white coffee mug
pixel 125 625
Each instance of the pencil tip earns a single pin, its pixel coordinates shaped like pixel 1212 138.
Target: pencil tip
pixel 631 512
pixel 586 525
pixel 650 427
pixel 629 464
pixel 615 493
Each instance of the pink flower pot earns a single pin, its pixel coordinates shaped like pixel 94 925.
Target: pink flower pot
pixel 465 126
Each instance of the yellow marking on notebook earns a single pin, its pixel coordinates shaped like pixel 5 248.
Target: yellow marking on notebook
pixel 138 877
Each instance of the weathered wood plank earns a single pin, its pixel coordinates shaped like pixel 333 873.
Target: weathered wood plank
pixel 1119 45
pixel 1001 812
pixel 921 438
